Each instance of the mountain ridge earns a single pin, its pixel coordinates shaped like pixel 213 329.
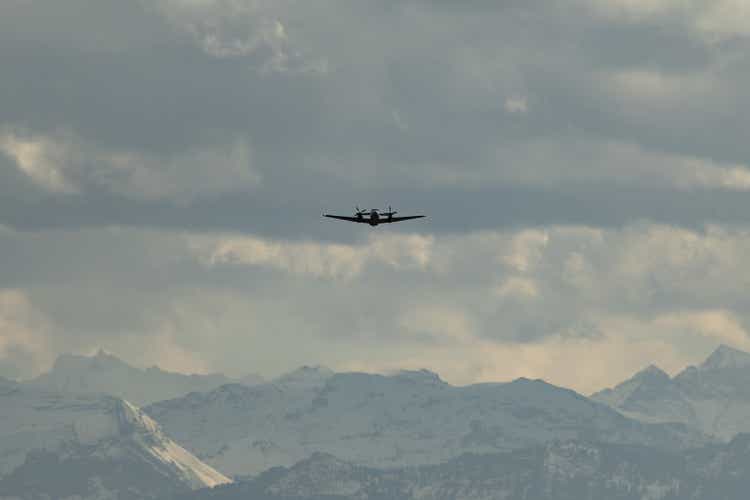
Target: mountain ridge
pixel 405 418
pixel 560 470
pixel 94 439
pixel 713 397
pixel 104 373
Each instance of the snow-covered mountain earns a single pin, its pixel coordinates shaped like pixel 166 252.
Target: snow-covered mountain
pixel 713 397
pixel 306 378
pixel 569 470
pixel 88 447
pixel 106 374
pixel 387 421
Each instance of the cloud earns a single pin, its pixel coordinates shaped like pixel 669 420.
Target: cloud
pixel 63 164
pixel 661 89
pixel 561 117
pixel 720 325
pixel 638 9
pixel 596 163
pixel 518 287
pixel 498 305
pixel 716 20
pixel 440 323
pixel 585 364
pixel 584 171
pixel 516 105
pixel 239 29
pixel 526 249
pixel 333 261
pixel 24 346
pixel 726 18
pixel 39 160
pixel 488 305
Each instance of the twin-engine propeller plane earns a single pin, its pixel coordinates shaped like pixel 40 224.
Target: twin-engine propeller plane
pixel 373 217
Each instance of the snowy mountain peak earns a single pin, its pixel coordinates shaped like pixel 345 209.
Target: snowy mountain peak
pixel 652 372
pixel 420 376
pixel 377 420
pixel 713 397
pixel 305 376
pixel 101 360
pixel 651 383
pixel 104 373
pixel 726 357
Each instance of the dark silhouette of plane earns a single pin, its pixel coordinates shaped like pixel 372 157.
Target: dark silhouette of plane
pixel 373 217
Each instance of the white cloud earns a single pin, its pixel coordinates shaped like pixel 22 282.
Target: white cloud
pixel 437 322
pixel 24 346
pixel 525 249
pixel 725 18
pixel 619 299
pixel 629 287
pixel 688 266
pixel 586 365
pixel 190 174
pixel 516 105
pixel 521 288
pixel 480 306
pixel 570 161
pixel 672 341
pixel 64 164
pixel 714 19
pixel 659 88
pixel 240 28
pixel 491 305
pixel 638 9
pixel 39 159
pixel 718 325
pixel 336 261
pixel 553 162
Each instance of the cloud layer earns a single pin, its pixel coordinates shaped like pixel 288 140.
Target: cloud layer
pixel 584 167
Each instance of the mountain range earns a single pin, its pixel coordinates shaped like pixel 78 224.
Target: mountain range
pixel 713 397
pixel 568 470
pixel 104 373
pixel 409 418
pixel 313 434
pixel 58 445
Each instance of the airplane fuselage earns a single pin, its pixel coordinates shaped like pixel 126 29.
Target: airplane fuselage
pixel 373 217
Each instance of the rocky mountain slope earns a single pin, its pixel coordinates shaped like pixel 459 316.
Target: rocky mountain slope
pixel 56 445
pixel 570 470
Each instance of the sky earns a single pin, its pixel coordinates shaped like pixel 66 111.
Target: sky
pixel 584 166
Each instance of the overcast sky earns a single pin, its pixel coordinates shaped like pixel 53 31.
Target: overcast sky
pixel 585 166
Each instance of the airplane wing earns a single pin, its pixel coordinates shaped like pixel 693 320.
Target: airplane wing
pixel 341 217
pixel 388 220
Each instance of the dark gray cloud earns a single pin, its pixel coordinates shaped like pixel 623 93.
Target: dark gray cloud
pixel 544 141
pixel 409 101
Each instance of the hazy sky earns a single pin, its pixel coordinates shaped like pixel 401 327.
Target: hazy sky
pixel 584 165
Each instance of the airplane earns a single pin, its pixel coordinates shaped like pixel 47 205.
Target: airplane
pixel 373 217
